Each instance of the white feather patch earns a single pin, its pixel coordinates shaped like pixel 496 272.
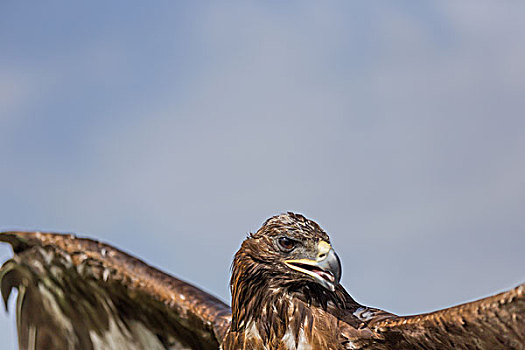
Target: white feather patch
pixel 302 343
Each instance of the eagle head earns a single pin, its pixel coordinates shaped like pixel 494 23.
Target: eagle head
pixel 288 251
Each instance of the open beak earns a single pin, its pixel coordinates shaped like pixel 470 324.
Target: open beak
pixel 325 269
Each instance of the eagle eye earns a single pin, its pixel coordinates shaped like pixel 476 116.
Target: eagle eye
pixel 286 243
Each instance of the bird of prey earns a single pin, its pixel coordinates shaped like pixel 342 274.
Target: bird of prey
pixel 76 293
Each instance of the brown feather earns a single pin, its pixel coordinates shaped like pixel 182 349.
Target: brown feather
pixel 263 294
pixel 92 287
pixel 81 294
pixel 496 322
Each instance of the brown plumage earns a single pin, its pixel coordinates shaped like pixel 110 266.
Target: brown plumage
pixel 80 294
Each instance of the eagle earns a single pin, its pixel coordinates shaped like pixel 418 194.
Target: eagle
pixel 77 293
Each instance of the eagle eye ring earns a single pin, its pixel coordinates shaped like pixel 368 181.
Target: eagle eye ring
pixel 286 244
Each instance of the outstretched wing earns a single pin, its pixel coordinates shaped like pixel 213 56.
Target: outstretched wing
pixel 76 293
pixel 496 322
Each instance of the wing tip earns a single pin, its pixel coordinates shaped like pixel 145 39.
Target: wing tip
pixel 16 239
pixel 22 240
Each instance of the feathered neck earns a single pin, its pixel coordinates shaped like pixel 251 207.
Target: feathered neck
pixel 260 295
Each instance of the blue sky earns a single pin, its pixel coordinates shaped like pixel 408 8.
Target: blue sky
pixel 173 129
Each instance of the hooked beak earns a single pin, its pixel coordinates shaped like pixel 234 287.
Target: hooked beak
pixel 325 269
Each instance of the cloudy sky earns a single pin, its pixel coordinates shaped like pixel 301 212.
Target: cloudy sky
pixel 173 129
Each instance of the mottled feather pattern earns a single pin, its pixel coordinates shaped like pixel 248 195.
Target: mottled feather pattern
pixel 76 293
pixel 93 283
pixel 496 322
pixel 280 307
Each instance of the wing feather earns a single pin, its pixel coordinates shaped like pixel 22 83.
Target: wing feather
pixel 76 293
pixel 496 322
